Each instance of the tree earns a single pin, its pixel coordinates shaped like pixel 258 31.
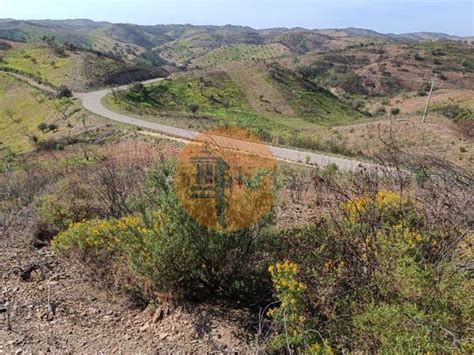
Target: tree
pixel 62 106
pixel 10 114
pixel 83 119
pixel 64 91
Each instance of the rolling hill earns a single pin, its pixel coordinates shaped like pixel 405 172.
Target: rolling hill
pixel 180 44
pixel 56 65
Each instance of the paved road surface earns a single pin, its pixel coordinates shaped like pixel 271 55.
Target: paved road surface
pixel 92 101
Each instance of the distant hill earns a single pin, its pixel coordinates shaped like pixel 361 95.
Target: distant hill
pixel 429 36
pixel 179 44
pixel 354 61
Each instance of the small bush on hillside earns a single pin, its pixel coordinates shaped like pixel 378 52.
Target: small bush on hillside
pixel 52 144
pixel 43 127
pixel 437 52
pixel 418 57
pixel 373 279
pixel 7 157
pixel 164 250
pixel 468 64
pixel 64 91
pixel 454 112
pixel 394 111
pixel 380 111
pixel 194 108
pixel 72 201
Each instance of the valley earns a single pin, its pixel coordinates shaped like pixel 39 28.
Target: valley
pixel 350 228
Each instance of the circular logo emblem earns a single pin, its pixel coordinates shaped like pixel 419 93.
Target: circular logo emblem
pixel 224 179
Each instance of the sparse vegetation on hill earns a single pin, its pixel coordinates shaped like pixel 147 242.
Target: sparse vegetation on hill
pixel 100 254
pixel 240 53
pixel 41 61
pixel 390 68
pixel 314 102
pixel 74 68
pixel 22 109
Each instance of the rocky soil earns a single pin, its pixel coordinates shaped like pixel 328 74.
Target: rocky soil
pixel 51 305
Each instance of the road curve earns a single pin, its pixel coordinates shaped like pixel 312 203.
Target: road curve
pixel 92 101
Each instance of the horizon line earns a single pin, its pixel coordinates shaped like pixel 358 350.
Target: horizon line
pixel 235 25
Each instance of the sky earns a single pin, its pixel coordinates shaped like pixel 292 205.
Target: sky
pixel 387 16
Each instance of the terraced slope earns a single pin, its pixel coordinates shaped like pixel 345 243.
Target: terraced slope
pixel 241 53
pixel 310 100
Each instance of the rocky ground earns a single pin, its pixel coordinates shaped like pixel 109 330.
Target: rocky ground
pixel 52 305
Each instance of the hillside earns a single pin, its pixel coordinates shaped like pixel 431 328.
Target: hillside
pixel 180 44
pixel 271 191
pixel 57 65
pixel 287 85
pixel 270 105
pixel 23 108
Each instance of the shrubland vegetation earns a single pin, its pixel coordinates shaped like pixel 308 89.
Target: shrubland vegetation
pixel 240 53
pixel 372 262
pixel 23 110
pixel 315 103
pixel 383 266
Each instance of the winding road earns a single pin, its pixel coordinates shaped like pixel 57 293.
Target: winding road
pixel 92 101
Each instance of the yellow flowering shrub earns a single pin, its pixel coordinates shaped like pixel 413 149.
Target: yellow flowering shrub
pixel 98 235
pixel 383 202
pixel 319 349
pixel 118 246
pixel 410 236
pixel 290 313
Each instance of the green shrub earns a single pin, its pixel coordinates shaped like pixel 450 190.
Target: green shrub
pixel 167 251
pixel 71 201
pixel 64 91
pixel 374 280
pixel 418 57
pixel 468 64
pixel 454 112
pixel 395 111
pixel 43 127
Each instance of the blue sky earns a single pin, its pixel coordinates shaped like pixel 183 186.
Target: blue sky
pixel 397 16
